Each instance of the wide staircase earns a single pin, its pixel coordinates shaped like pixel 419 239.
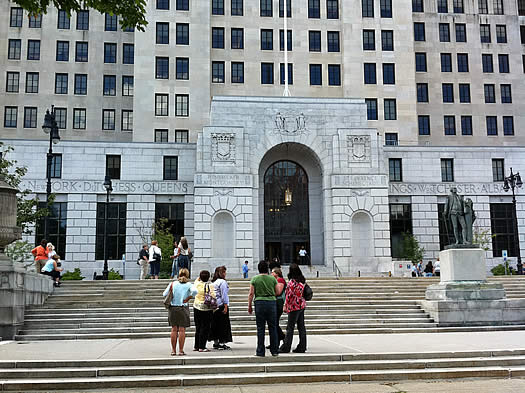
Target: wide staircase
pixel 134 309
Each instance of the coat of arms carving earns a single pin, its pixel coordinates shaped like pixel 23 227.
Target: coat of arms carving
pixel 290 123
pixel 223 147
pixel 359 148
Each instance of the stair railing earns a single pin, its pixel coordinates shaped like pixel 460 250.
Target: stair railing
pixel 336 270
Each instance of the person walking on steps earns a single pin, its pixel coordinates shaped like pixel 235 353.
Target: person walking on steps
pixel 183 254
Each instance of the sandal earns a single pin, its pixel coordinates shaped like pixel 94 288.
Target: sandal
pixel 204 350
pixel 181 354
pixel 174 354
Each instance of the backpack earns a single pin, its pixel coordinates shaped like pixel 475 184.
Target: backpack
pixel 308 294
pixel 168 298
pixel 209 300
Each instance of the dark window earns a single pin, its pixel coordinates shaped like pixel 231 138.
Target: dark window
pixel 30 117
pixel 237 72
pixel 114 239
pixel 390 109
pixel 522 33
pixel 484 33
pixel 163 4
pixel 371 108
pixel 449 124
pixel 503 61
pixel 33 50
pixel 391 139
pixel 110 52
pixel 418 6
pixel 492 125
pixel 466 125
pixel 15 48
pixel 266 39
pixel 184 5
pixel 483 6
pixel 419 31
pixel 444 32
pixel 161 105
pixel 127 85
pixel 61 82
pixel 400 226
pixel 281 40
pixel 128 54
pixel 181 136
pixel 170 168
pixel 81 51
pixel 110 22
pixel 217 7
pixel 266 73
pixel 423 122
pixel 182 105
pixel 367 8
pixel 461 32
pixel 503 229
pixel 458 6
pixel 490 94
pixel 290 73
pixel 370 73
pixel 79 118
pixel 498 7
pixel 110 85
pixel 446 62
pixel 506 94
pixel 501 34
pixel 61 117
pixel 334 75
pixel 395 169
pixel 316 77
pixel 464 92
pixel 333 41
pixel 17 15
pixel 162 67
pixel 182 68
pixel 389 74
pixel 108 119
pixel 63 20
pixel 369 40
pixel 83 20
pixel 508 125
pixel 314 41
pixel 62 51
pixel 161 136
pixel 288 10
pixel 237 38
pixel 35 21
pixel 56 226
pixel 217 72
pixel 442 6
pixel 498 169
pixel 173 213
pixel 217 37
pixel 421 62
pixel 266 8
pixel 387 40
pixel 55 171
pixel 486 60
pixel 163 33
pixel 113 166
pixel 447 170
pixel 12 82
pixel 463 62
pixel 314 9
pixel 10 116
pixel 422 92
pixel 237 8
pixel 386 8
pixel 332 9
pixel 32 80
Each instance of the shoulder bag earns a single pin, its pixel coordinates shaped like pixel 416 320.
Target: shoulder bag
pixel 168 298
pixel 308 294
pixel 209 300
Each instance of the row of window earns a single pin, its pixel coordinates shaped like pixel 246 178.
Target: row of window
pixel 389 109
pixel 461 33
pixel 447 90
pixel 79 118
pixel 182 105
pixel 449 125
pixel 458 6
pixel 162 136
pixel 487 62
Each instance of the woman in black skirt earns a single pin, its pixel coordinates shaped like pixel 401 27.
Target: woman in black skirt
pixel 221 330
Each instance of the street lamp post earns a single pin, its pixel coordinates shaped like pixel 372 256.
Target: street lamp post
pixel 50 127
pixel 109 189
pixel 511 183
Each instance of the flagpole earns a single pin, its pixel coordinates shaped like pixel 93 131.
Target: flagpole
pixel 286 92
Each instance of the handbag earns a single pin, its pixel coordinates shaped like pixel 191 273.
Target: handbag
pixel 157 257
pixel 308 294
pixel 209 300
pixel 168 298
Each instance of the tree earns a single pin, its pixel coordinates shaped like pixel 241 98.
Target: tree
pixel 411 249
pixel 132 12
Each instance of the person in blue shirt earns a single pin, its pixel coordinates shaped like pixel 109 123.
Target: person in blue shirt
pixel 52 269
pixel 245 269
pixel 179 312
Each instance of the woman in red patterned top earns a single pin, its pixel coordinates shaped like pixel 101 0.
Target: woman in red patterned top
pixel 294 306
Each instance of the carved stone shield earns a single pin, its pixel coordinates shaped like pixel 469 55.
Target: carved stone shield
pixel 359 152
pixel 223 149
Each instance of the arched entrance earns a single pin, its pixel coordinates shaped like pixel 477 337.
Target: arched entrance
pixel 286 211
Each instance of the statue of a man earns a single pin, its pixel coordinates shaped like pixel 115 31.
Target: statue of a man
pixel 470 217
pixel 455 211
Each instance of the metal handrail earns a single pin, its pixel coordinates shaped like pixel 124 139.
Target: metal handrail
pixel 336 270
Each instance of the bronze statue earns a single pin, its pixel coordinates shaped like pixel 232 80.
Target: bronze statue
pixel 455 211
pixel 470 217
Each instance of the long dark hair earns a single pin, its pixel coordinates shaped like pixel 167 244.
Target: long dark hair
pixel 184 242
pixel 296 274
pixel 219 272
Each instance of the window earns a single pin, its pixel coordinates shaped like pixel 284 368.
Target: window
pixel 316 78
pixel 461 32
pixel 79 118
pixel 10 116
pixel 170 168
pixel 110 85
pixel 61 83
pixel 288 8
pixel 444 32
pixel 32 79
pixel 55 169
pixel 110 22
pixel 464 93
pixel 422 92
pixel 506 94
pixel 446 62
pixel 423 123
pixel 281 40
pixel 421 62
pixel 162 67
pixel 484 33
pixel 501 34
pixel 237 8
pixel 15 48
pixel 448 92
pixel 181 136
pixel 237 72
pixel 163 4
pixel 369 40
pixel 400 225
pixel 492 125
pixel 332 38
pixel 218 37
pixel 389 74
pixel 462 62
pixel 161 105
pixel 483 6
pixel 108 119
pixel 466 125
pixel 498 169
pixel 334 75
pixel 217 7
pixel 267 73
pixel 419 31
pixel 81 51
pixel 387 40
pixel 63 20
pixel 486 60
pixel 127 120
pixel 522 34
pixel 35 21
pixel 33 50
pixel 17 15
pixel 183 34
pixel 367 8
pixel 314 9
pixel 217 72
pixel 498 7
pixel 113 166
pixel 332 9
pixel 127 85
pixel 30 117
pixel 266 8
pixel 266 39
pixel 371 108
pixel 390 109
pixel 418 6
pixel 503 229
pixel 314 41
pixel 62 51
pixel 447 170
pixel 173 213
pixel 386 8
pixel 508 125
pixel 395 169
pixel 503 61
pixel 370 74
pixel 12 82
pixel 115 233
pixel 184 5
pixel 83 20
pixel 61 117
pixel 391 139
pixel 458 6
pixel 182 105
pixel 161 136
pixel 182 68
pixel 128 54
pixel 442 6
pixel 163 33
pixel 290 73
pixel 110 52
pixel 237 40
pixel 449 124
pixel 56 225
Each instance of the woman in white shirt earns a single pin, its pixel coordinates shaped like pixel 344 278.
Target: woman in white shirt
pixel 155 256
pixel 183 254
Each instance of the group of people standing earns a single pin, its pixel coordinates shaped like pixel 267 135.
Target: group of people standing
pixel 47 261
pixel 429 270
pixel 151 256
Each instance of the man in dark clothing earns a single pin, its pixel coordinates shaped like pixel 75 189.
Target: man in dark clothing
pixel 143 261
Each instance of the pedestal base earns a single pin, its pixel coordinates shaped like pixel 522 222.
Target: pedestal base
pixel 463 264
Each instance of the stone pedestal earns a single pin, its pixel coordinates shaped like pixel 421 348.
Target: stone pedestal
pixel 463 264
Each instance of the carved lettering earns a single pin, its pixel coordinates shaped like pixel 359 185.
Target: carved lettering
pixel 444 188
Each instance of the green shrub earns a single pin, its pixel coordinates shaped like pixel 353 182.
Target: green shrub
pixel 499 270
pixel 114 275
pixel 74 275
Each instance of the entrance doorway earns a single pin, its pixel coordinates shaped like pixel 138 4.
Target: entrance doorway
pixel 286 212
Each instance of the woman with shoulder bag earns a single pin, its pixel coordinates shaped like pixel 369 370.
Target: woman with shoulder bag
pixel 221 329
pixel 155 256
pixel 183 252
pixel 203 307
